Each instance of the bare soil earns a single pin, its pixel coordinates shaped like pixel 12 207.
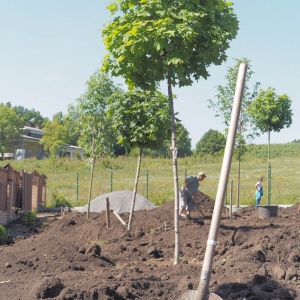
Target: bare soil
pixel 69 257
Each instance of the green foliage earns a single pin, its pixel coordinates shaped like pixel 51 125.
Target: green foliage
pixel 271 112
pixel 141 119
pixel 10 128
pixel 69 121
pixel 109 164
pixel 96 135
pixel 3 234
pixel 240 147
pixel 120 150
pixel 59 200
pixel 147 38
pixel 54 136
pixel 183 141
pixel 183 144
pixel 222 104
pixel 212 142
pixel 29 116
pixel 30 217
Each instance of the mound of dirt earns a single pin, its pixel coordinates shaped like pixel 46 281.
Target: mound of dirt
pixel 70 257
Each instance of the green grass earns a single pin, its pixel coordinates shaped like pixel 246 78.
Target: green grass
pixel 119 173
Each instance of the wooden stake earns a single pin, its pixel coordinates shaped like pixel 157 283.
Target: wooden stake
pixel 107 213
pixel 120 219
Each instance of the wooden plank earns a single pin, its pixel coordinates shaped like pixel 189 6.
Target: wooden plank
pixel 120 219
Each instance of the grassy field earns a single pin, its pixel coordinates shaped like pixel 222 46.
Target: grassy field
pixel 68 180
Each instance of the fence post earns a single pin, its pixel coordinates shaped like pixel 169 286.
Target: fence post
pixel 107 213
pixel 231 191
pixel 147 184
pixel 77 179
pixel 111 180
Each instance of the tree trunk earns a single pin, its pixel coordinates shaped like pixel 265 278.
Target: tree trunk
pixel 135 189
pixel 175 172
pixel 91 187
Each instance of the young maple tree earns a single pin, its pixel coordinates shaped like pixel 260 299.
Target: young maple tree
pixel 152 41
pixel 222 105
pixel 96 135
pixel 141 119
pixel 270 112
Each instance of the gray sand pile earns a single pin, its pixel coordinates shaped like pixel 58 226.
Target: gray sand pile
pixel 119 201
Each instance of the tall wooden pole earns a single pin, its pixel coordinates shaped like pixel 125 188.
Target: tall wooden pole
pixel 202 291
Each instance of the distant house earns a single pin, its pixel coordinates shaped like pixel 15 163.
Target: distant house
pixel 28 145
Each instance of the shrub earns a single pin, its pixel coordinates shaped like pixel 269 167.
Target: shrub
pixel 59 200
pixel 30 217
pixel 3 234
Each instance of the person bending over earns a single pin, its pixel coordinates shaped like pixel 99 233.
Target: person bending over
pixel 188 194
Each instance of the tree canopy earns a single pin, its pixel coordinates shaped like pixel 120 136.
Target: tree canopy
pixel 212 142
pixel 96 134
pixel 146 38
pixel 271 112
pixel 223 100
pixel 184 142
pixel 141 119
pixel 10 128
pixel 54 136
pixel 29 116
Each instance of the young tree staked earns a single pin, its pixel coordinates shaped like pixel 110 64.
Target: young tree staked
pixel 152 41
pixel 96 134
pixel 141 119
pixel 271 112
pixel 222 105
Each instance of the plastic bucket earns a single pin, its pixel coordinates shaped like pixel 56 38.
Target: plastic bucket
pixel 267 211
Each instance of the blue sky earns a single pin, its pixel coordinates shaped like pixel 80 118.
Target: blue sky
pixel 49 49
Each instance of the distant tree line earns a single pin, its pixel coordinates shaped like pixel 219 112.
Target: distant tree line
pixel 72 128
pixel 262 111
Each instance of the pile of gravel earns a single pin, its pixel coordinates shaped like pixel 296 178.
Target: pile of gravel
pixel 119 201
